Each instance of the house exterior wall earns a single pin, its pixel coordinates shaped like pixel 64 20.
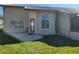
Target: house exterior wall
pixel 64 24
pixel 14 14
pixel 37 16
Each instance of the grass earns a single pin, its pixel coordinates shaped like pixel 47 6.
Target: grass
pixel 1 26
pixel 47 45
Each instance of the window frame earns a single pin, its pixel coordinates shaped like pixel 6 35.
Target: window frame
pixel 17 24
pixel 45 20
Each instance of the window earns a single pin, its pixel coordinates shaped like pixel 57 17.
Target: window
pixel 17 24
pixel 20 24
pixel 75 23
pixel 45 22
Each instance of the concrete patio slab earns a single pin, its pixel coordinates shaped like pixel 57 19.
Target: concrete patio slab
pixel 25 37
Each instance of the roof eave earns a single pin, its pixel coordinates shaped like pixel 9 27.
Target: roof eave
pixel 38 8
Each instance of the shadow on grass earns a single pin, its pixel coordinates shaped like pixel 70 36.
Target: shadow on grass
pixel 7 39
pixel 59 41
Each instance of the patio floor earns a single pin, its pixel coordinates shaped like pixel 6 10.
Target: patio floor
pixel 25 37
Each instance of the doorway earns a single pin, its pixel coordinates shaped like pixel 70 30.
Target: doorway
pixel 32 26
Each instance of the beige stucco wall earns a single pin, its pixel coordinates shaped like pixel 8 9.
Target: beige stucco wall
pixel 37 16
pixel 14 14
pixel 64 24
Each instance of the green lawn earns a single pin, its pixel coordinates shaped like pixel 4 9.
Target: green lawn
pixel 1 26
pixel 47 45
